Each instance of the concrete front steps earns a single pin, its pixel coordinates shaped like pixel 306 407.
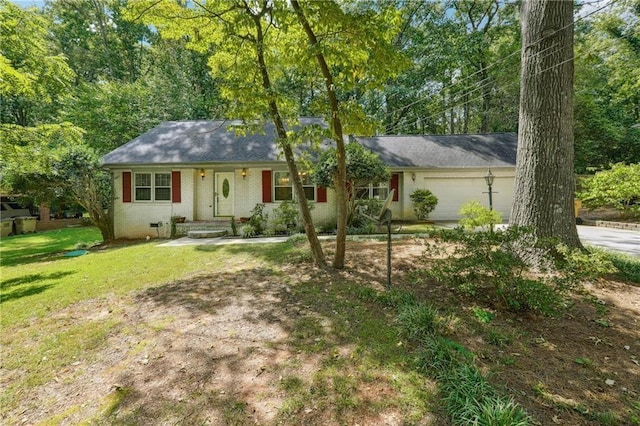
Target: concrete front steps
pixel 213 233
pixel 202 229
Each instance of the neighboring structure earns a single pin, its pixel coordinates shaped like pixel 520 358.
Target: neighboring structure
pixel 203 170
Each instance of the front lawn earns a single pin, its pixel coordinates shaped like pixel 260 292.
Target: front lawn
pixel 136 333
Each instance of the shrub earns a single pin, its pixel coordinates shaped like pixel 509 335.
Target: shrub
pixel 484 263
pixel 285 217
pixel 418 322
pixel 364 213
pixel 424 202
pixel 257 222
pixel 618 187
pixel 476 215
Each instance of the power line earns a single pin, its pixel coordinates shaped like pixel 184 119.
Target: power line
pixel 483 83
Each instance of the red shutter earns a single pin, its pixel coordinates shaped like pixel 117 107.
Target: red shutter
pixel 266 186
pixel 126 187
pixel 395 184
pixel 176 187
pixel 321 195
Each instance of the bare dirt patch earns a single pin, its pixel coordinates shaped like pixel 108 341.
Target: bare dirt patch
pixel 233 347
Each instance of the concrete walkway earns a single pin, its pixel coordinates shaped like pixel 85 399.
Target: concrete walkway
pixel 186 241
pixel 619 240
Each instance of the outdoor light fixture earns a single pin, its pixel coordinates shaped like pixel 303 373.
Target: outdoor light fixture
pixel 413 176
pixel 202 173
pixel 489 178
pixel 244 172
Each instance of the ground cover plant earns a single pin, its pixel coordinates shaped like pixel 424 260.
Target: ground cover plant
pixel 139 333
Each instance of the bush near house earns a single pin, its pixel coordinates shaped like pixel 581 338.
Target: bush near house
pixel 424 202
pixel 476 215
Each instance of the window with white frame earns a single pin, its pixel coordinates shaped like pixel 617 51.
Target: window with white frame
pixel 379 191
pixel 283 186
pixel 152 186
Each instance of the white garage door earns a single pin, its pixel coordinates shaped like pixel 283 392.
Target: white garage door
pixel 452 193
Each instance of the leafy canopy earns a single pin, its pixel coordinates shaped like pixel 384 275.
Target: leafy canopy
pixel 364 167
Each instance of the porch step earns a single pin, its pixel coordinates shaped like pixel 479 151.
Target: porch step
pixel 210 233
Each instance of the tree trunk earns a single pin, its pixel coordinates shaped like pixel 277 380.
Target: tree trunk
pixel 545 182
pixel 284 144
pixel 486 98
pixel 336 127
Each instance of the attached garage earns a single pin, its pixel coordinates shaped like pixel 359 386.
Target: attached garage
pixel 452 167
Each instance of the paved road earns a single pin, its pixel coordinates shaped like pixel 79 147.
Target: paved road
pixel 613 239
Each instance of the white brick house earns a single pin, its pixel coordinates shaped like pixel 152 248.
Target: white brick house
pixel 202 170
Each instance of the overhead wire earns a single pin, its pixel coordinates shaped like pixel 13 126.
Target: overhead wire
pixel 484 83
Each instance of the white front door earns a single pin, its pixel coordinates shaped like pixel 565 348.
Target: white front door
pixel 224 194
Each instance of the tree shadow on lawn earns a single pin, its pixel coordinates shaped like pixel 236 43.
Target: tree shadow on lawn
pixel 28 285
pixel 27 256
pixel 236 339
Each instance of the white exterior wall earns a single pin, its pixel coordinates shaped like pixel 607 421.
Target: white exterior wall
pixel 454 187
pixel 203 198
pixel 249 193
pixel 131 220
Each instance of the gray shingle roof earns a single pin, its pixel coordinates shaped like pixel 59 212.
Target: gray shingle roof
pixel 183 142
pixel 437 151
pixel 177 142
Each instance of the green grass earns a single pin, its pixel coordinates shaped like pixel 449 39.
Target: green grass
pixel 34 290
pixel 40 339
pixel 30 248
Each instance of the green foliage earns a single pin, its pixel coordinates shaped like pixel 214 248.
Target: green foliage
pixel 364 167
pixel 618 187
pixel 418 322
pixel 476 215
pixel 100 45
pixel 607 88
pixel 628 267
pixel 482 315
pixel 33 75
pixel 80 170
pixel 468 397
pixel 257 222
pixel 472 401
pixel 364 213
pixel 483 263
pixel 286 217
pixel 424 202
pixel 579 265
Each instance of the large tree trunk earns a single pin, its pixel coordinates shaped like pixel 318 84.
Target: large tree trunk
pixel 285 145
pixel 336 127
pixel 545 182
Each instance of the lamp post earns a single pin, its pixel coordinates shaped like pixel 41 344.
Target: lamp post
pixel 488 178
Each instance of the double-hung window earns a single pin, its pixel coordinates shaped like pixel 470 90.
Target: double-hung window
pixel 379 191
pixel 152 186
pixel 283 186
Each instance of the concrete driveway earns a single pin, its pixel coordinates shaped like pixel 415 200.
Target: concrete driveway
pixel 613 239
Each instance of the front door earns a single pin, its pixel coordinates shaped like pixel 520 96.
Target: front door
pixel 224 194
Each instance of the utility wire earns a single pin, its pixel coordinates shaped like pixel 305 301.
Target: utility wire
pixel 483 83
